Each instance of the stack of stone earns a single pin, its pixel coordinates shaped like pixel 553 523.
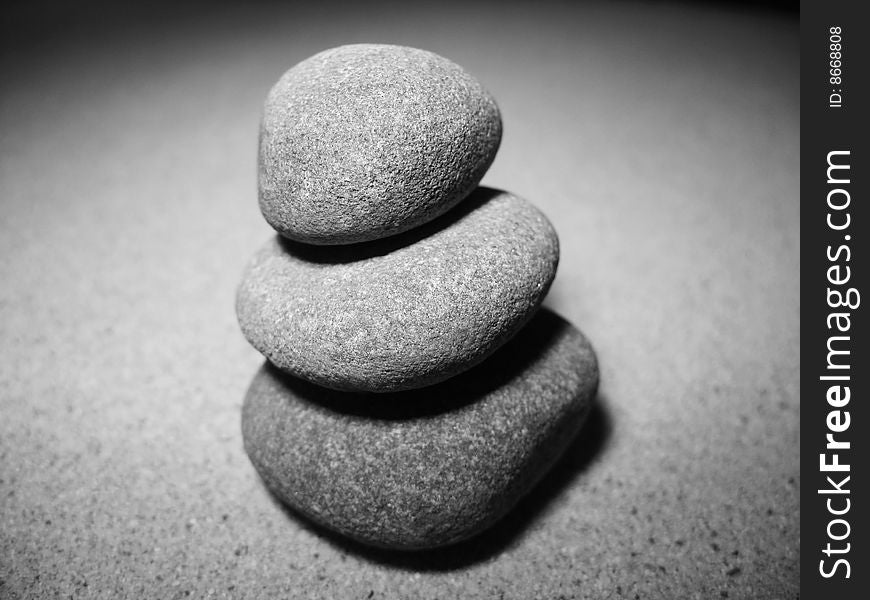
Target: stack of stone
pixel 413 391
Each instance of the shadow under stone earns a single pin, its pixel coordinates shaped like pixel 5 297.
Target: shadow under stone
pixel 348 253
pixel 510 361
pixel 588 445
pixel 496 371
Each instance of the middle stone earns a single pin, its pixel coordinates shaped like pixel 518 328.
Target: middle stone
pixel 403 312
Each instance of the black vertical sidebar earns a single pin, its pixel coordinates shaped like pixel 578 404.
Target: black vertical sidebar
pixel 835 223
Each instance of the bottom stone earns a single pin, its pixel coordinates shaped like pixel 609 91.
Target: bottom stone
pixel 427 467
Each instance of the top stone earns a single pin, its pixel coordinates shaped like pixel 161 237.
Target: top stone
pixel 364 141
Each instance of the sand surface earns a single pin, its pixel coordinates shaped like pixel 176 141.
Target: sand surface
pixel 661 140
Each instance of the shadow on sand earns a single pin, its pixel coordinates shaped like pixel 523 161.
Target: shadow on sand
pixel 589 444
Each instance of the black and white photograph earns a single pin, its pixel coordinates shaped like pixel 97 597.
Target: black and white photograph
pixel 395 300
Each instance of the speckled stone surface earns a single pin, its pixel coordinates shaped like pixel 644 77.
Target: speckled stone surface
pixel 403 312
pixel 661 139
pixel 430 467
pixel 367 140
